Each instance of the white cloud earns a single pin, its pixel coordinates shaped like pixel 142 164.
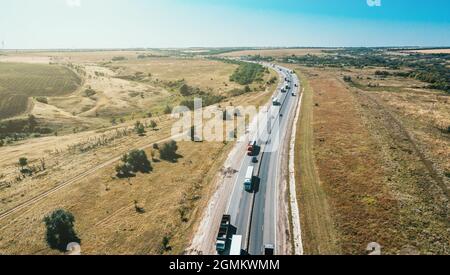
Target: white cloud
pixel 73 3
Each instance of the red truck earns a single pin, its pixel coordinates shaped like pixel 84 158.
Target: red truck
pixel 251 148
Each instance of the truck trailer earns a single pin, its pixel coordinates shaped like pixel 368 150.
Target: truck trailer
pixel 248 184
pixel 222 237
pixel 236 245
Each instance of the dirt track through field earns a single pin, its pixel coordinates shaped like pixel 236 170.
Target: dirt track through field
pixel 64 184
pixel 427 163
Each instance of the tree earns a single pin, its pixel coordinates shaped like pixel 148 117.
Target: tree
pixel 247 89
pixel 133 162
pixel 169 151
pixel 139 128
pixel 113 121
pixel 153 125
pixel 60 230
pixel 23 162
pixel 139 161
pixel 124 170
pixel 185 90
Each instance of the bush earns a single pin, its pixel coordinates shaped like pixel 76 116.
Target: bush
pixel 42 100
pixel 153 124
pixel 60 230
pixel 23 162
pixel 185 90
pixel 167 110
pixel 118 58
pixel 347 78
pixel 89 92
pixel 169 151
pixel 139 128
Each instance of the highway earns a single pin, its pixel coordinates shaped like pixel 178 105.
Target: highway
pixel 254 214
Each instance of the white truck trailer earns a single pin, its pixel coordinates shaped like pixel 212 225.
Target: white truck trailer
pixel 236 245
pixel 248 184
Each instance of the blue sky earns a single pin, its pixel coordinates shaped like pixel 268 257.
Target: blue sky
pixel 28 24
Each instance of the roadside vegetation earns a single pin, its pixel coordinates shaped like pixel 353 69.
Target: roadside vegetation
pixel 247 73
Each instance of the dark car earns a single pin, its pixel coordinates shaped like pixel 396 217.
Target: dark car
pixel 255 160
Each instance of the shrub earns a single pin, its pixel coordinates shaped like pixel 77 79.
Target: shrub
pixel 347 78
pixel 89 92
pixel 42 100
pixel 153 124
pixel 139 128
pixel 169 151
pixel 167 110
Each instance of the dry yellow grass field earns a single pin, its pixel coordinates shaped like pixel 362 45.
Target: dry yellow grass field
pixel 431 51
pixel 80 175
pixel 197 72
pixel 380 153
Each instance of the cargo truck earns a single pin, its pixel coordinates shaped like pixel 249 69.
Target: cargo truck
pixel 275 102
pixel 251 146
pixel 222 237
pixel 248 183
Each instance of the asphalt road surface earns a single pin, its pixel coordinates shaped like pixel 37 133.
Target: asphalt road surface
pixel 254 214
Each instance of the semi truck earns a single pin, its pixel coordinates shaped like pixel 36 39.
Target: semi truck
pixel 222 236
pixel 236 245
pixel 248 183
pixel 276 102
pixel 251 148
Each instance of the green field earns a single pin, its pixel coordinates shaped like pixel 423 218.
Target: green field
pixel 18 82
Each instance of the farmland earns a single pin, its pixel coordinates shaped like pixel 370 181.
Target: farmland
pixel 19 82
